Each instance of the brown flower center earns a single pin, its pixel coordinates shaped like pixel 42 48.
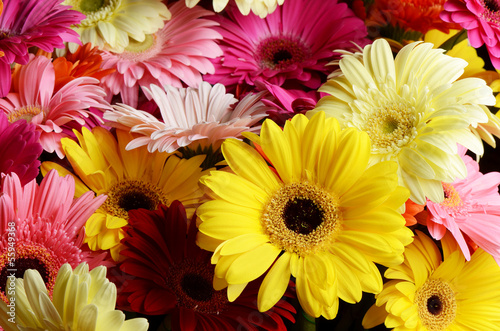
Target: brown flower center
pixel 436 303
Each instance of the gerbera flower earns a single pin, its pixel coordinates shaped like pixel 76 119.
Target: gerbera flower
pixel 48 226
pixel 471 207
pixel 82 300
pixel 177 53
pixel 19 149
pixel 169 274
pixel 203 116
pixel 27 23
pixel 323 217
pixel 33 98
pixel 427 293
pixel 131 179
pixel 110 24
pixel 258 7
pixel 413 110
pixel 286 46
pixel 481 19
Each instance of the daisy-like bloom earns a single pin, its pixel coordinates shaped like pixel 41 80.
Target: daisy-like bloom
pixel 27 23
pixel 34 99
pixel 481 19
pixel 204 116
pixel 177 53
pixel 320 215
pixel 286 46
pixel 19 149
pixel 131 180
pixel 169 274
pixel 413 110
pixel 44 223
pixel 471 207
pixel 111 24
pixel 258 7
pixel 427 293
pixel 82 300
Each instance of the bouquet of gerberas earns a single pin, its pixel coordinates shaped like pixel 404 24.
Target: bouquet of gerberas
pixel 249 165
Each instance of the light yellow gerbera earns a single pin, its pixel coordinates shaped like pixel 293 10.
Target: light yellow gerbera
pixel 413 109
pixel 427 293
pixel 324 218
pixel 81 300
pixel 130 179
pixel 258 7
pixel 110 23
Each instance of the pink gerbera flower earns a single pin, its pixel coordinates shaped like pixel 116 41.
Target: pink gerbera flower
pixel 481 19
pixel 205 115
pixel 471 209
pixel 33 98
pixel 26 23
pixel 47 223
pixel 292 44
pixel 19 149
pixel 179 53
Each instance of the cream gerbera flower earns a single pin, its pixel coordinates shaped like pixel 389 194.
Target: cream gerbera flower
pixel 110 23
pixel 258 7
pixel 320 215
pixel 413 109
pixel 81 300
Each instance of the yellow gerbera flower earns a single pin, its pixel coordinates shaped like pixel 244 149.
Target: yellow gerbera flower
pixel 258 7
pixel 413 109
pixel 110 23
pixel 427 293
pixel 323 217
pixel 81 300
pixel 131 180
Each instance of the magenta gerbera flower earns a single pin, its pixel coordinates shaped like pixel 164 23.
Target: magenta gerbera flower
pixel 471 209
pixel 481 19
pixel 34 99
pixel 19 149
pixel 166 273
pixel 26 23
pixel 176 54
pixel 292 44
pixel 47 223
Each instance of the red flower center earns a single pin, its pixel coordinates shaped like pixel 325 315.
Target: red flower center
pixel 281 53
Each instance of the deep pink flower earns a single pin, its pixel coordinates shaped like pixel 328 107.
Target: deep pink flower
pixel 26 23
pixel 176 54
pixel 35 100
pixel 47 223
pixel 19 149
pixel 481 19
pixel 471 208
pixel 293 44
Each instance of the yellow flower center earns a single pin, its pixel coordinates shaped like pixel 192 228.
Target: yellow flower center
pixel 133 194
pixel 452 199
pixel 95 10
pixel 302 218
pixel 25 113
pixel 139 51
pixel 391 127
pixel 436 303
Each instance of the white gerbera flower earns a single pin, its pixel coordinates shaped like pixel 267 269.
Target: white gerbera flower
pixel 413 109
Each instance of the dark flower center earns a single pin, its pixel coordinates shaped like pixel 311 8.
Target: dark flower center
pixel 492 5
pixel 21 265
pixel 434 305
pixel 135 200
pixel 280 53
pixel 197 287
pixel 281 56
pixel 302 216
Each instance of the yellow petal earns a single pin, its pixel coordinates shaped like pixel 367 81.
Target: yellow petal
pixel 252 264
pixel 275 283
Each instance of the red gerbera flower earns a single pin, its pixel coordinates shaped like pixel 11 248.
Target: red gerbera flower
pixel 169 274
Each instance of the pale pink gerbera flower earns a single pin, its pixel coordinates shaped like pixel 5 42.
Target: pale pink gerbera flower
pixel 19 149
pixel 481 19
pixel 26 23
pixel 204 115
pixel 46 223
pixel 293 44
pixel 178 53
pixel 471 209
pixel 33 99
